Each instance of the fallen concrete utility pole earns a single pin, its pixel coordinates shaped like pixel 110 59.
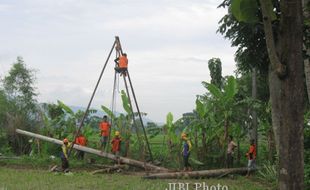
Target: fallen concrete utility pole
pixel 196 174
pixel 123 160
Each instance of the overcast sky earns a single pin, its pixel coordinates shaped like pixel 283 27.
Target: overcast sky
pixel 168 43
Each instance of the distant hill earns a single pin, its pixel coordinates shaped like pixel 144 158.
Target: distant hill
pixel 101 113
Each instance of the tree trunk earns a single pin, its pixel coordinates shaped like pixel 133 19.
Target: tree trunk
pixel 204 143
pixel 287 91
pixel 307 49
pixel 196 143
pixel 238 152
pixel 307 75
pixel 291 162
pixel 126 147
pixel 197 174
pixel 274 90
pixel 254 113
pixel 271 145
pixel 226 130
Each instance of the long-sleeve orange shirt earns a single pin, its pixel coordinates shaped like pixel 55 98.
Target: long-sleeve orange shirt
pixel 123 62
pixel 252 152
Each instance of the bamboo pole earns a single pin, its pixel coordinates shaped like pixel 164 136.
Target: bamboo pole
pixel 123 160
pixel 195 174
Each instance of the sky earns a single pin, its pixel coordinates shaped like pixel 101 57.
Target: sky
pixel 168 43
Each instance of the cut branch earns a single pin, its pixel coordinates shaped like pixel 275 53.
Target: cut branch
pixel 110 169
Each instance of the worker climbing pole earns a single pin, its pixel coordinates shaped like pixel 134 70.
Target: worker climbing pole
pixel 121 67
pixel 124 72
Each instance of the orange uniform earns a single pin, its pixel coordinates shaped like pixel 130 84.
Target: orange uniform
pixel 123 62
pixel 104 127
pixel 252 152
pixel 81 140
pixel 116 144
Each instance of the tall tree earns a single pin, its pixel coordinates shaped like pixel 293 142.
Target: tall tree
pixel 254 113
pixel 286 82
pixel 19 86
pixel 223 101
pixel 251 57
pixel 215 68
pixel 19 90
pixel 306 11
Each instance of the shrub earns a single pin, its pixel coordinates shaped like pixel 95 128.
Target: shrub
pixel 269 173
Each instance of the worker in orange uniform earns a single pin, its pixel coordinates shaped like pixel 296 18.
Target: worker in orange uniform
pixel 104 132
pixel 64 155
pixel 116 146
pixel 82 141
pixel 251 155
pixel 121 64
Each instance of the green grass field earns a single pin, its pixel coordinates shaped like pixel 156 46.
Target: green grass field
pixel 32 173
pixel 24 179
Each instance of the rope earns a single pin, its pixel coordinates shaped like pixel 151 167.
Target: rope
pixel 113 103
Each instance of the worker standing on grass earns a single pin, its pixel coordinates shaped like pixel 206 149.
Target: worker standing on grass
pixel 121 64
pixel 251 154
pixel 230 152
pixel 116 146
pixel 64 155
pixel 104 132
pixel 187 146
pixel 82 141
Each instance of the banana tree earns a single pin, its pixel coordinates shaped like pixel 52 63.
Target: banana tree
pixel 204 125
pixel 223 101
pixel 171 132
pixel 61 120
pixel 171 138
pixel 124 123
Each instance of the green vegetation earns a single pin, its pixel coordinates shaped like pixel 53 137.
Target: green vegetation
pixel 37 179
pixel 264 101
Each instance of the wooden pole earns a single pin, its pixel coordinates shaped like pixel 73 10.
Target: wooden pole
pixel 197 174
pixel 123 160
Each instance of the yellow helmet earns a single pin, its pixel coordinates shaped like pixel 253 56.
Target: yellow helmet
pixel 117 133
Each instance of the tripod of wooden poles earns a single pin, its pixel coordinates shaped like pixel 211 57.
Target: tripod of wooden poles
pixel 118 48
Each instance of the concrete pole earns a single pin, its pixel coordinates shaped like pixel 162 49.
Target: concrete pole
pixel 123 160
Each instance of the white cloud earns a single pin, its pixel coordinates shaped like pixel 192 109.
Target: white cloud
pixel 168 45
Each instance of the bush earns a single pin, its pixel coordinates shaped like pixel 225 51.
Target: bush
pixel 269 173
